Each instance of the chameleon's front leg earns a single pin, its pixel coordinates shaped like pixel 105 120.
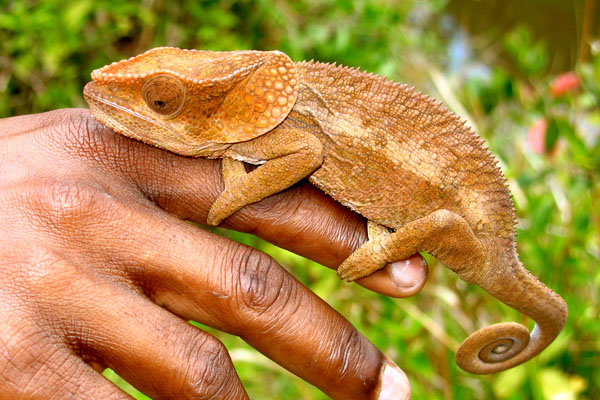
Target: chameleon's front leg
pixel 289 154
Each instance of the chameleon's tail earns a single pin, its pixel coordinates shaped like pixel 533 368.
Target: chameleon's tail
pixel 505 345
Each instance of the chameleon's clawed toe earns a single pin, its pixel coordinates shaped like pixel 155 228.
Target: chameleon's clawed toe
pixel 347 270
pixel 348 274
pixel 354 267
pixel 219 211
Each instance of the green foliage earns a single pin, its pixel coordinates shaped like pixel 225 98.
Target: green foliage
pixel 48 48
pixel 531 58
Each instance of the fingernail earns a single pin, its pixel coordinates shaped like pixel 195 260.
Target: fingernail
pixel 394 383
pixel 404 276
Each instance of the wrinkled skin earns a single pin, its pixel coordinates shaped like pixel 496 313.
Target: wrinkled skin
pixel 98 269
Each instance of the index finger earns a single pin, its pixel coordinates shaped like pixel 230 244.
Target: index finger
pixel 302 219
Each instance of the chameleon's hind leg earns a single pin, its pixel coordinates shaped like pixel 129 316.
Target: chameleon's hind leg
pixel 444 234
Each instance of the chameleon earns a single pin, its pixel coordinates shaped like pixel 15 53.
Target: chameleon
pixel 421 177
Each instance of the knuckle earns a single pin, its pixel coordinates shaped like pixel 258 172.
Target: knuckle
pixel 260 284
pixel 30 272
pixel 33 363
pixel 63 198
pixel 347 357
pixel 68 204
pixel 34 288
pixel 213 377
pixel 81 136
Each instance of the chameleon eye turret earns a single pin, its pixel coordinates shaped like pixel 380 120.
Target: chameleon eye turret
pixel 164 94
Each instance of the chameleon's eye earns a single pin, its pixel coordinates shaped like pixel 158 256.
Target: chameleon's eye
pixel 164 94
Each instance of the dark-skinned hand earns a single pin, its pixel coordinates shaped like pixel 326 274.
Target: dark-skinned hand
pixel 98 268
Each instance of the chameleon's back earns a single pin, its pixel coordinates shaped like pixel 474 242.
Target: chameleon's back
pixel 395 155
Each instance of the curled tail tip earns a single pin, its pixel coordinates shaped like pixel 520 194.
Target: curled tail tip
pixel 505 345
pixel 502 346
pixel 496 348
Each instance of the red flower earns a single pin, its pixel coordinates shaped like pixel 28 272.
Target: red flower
pixel 536 136
pixel 564 83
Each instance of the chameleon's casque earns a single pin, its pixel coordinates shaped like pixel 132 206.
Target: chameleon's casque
pixel 421 177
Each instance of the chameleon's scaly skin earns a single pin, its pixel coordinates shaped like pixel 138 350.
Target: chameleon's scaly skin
pixel 391 154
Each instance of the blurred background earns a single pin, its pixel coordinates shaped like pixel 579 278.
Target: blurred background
pixel 525 74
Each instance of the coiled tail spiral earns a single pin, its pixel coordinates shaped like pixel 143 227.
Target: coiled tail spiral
pixel 502 346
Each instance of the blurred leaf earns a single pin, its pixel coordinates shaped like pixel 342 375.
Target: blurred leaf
pixel 530 56
pixel 508 382
pixel 555 127
pixel 558 386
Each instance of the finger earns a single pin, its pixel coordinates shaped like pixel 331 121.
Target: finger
pixel 399 279
pixel 98 316
pixel 158 353
pixel 165 357
pixel 236 289
pixel 303 220
pixel 38 364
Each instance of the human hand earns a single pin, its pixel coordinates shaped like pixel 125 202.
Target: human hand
pixel 98 269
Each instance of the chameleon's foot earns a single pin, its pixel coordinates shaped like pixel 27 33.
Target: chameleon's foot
pixel 213 219
pixel 227 203
pixel 361 263
pixel 368 257
pixel 222 208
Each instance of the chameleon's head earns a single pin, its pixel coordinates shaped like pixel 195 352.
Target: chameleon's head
pixel 193 102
